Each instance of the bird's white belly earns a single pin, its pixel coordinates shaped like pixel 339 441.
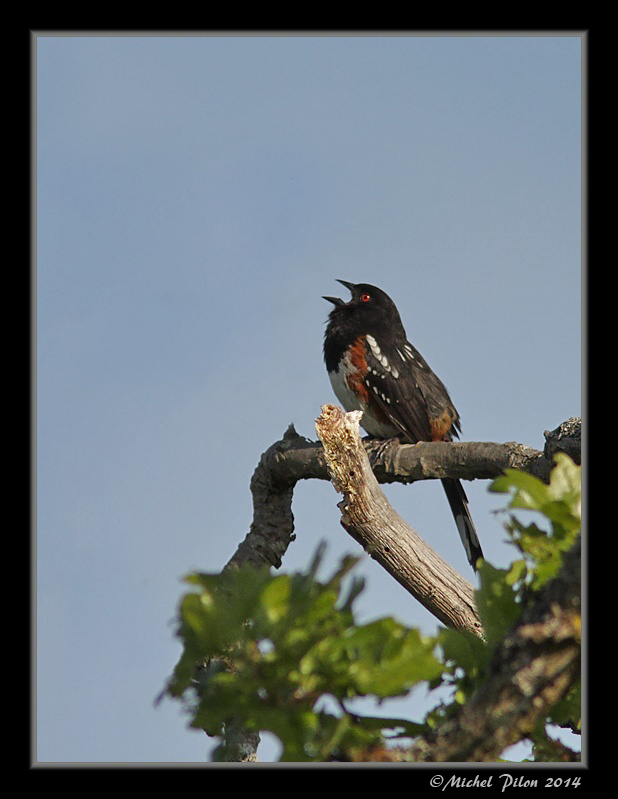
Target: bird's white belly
pixel 350 402
pixel 343 392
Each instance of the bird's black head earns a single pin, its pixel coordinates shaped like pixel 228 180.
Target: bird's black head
pixel 368 311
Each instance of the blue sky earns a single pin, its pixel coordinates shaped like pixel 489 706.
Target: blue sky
pixel 195 198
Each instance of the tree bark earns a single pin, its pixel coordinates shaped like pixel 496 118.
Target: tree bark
pixel 370 519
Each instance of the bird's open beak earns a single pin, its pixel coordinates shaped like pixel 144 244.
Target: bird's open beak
pixel 336 300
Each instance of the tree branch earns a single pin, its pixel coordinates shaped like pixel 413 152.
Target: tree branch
pixel 370 519
pixel 295 458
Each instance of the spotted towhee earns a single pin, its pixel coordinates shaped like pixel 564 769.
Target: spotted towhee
pixel 373 368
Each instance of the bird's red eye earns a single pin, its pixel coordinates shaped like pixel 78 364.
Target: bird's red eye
pixel 365 297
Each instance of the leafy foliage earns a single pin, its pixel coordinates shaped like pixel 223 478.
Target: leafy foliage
pixel 499 598
pixel 284 653
pixel 559 502
pixel 292 643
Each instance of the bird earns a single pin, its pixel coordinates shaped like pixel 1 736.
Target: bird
pixel 375 369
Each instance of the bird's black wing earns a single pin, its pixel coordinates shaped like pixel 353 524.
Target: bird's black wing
pixel 406 391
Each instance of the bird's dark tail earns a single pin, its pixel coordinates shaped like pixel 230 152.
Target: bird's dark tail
pixel 458 501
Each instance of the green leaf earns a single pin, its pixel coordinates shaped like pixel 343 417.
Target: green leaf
pixel 464 651
pixel 275 598
pixel 567 712
pixel 497 602
pixel 528 491
pixel 559 502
